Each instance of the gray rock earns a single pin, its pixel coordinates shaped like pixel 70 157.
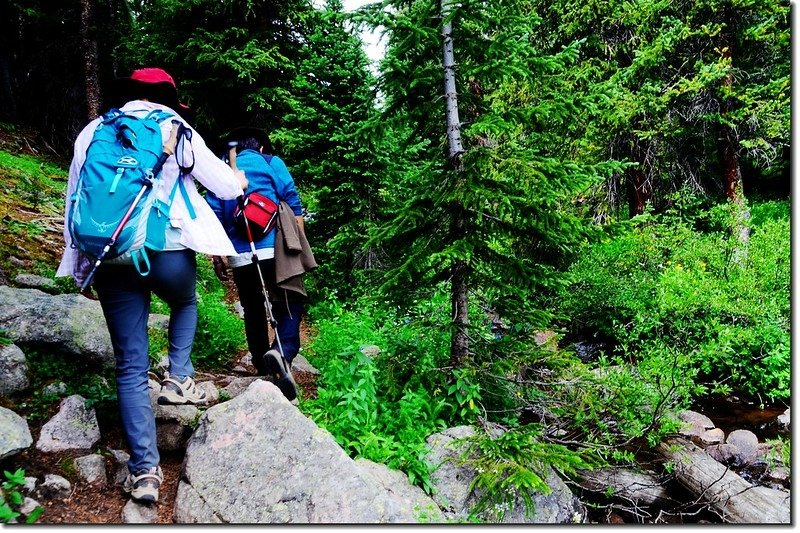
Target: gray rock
pixel 211 390
pixel 158 321
pixel 54 486
pixel 746 443
pixel 29 505
pixel 137 513
pixel 694 424
pixel 121 470
pixel 13 370
pixel 301 364
pixel 785 420
pixel 70 323
pixel 452 479
pixel 33 281
pixel 30 484
pixel 92 468
pixel 412 499
pixel 74 427
pixel 710 436
pixel 15 435
pixel 257 459
pixel 723 453
pixel 58 388
pixel 238 385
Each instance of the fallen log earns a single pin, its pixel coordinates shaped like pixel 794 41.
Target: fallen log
pixel 642 489
pixel 729 495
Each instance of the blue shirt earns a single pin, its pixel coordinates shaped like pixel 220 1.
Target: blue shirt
pixel 267 175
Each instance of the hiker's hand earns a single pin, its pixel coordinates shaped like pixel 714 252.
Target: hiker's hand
pixel 243 183
pixel 220 268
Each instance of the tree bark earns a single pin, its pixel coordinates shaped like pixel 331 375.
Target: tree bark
pixel 90 61
pixel 727 151
pixel 734 499
pixel 459 342
pixel 640 188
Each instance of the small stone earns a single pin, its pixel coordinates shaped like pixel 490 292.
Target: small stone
pixel 28 506
pixel 92 468
pixel 723 453
pixel 55 486
pixel 137 513
pixel 711 436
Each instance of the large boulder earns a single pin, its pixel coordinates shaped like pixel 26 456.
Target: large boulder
pixel 13 370
pixel 257 459
pixel 15 435
pixel 69 323
pixel 74 427
pixel 452 478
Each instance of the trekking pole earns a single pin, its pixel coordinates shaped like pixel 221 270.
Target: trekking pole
pixel 267 304
pixel 168 150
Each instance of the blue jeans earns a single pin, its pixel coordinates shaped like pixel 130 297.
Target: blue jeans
pixel 287 309
pixel 125 298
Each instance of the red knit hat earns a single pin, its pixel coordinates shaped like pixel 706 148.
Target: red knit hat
pixel 155 82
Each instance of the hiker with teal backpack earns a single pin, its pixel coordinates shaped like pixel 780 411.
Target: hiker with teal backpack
pixel 268 276
pixel 134 221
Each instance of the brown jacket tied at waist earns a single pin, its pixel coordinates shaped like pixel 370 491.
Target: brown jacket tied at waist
pixel 293 255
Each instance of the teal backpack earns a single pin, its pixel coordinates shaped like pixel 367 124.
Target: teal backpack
pixel 115 214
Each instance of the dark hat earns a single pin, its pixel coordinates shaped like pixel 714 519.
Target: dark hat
pixel 155 84
pixel 250 132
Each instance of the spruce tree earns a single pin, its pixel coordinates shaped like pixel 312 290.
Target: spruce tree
pixel 508 214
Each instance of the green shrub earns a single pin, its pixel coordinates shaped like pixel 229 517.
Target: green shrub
pixel 381 407
pixel 663 286
pixel 11 498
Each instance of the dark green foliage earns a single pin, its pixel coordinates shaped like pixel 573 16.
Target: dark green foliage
pixel 508 214
pixel 665 287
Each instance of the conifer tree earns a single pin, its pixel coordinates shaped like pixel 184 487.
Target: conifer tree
pixel 507 215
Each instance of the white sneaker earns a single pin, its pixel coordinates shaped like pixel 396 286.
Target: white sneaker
pixel 143 486
pixel 175 392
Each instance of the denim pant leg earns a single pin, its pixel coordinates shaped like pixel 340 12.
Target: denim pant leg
pixel 173 278
pixel 125 301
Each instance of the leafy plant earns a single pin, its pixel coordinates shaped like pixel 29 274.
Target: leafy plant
pixel 11 499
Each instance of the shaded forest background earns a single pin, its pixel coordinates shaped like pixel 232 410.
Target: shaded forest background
pixel 516 182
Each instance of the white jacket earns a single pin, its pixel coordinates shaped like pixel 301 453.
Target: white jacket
pixel 202 234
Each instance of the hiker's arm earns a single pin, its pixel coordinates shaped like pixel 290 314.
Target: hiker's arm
pixel 214 174
pixel 285 185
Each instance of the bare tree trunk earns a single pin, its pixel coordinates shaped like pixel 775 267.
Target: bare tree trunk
pixel 727 145
pixel 640 188
pixel 89 44
pixel 459 343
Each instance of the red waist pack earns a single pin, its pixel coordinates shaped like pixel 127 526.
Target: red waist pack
pixel 257 211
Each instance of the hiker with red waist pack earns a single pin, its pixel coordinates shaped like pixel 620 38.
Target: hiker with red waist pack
pixel 264 301
pixel 178 219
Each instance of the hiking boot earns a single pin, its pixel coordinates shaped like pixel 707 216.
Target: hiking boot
pixel 274 365
pixel 175 392
pixel 143 485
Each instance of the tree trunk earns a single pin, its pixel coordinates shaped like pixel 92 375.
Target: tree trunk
pixel 459 343
pixel 89 44
pixel 733 498
pixel 640 189
pixel 727 151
